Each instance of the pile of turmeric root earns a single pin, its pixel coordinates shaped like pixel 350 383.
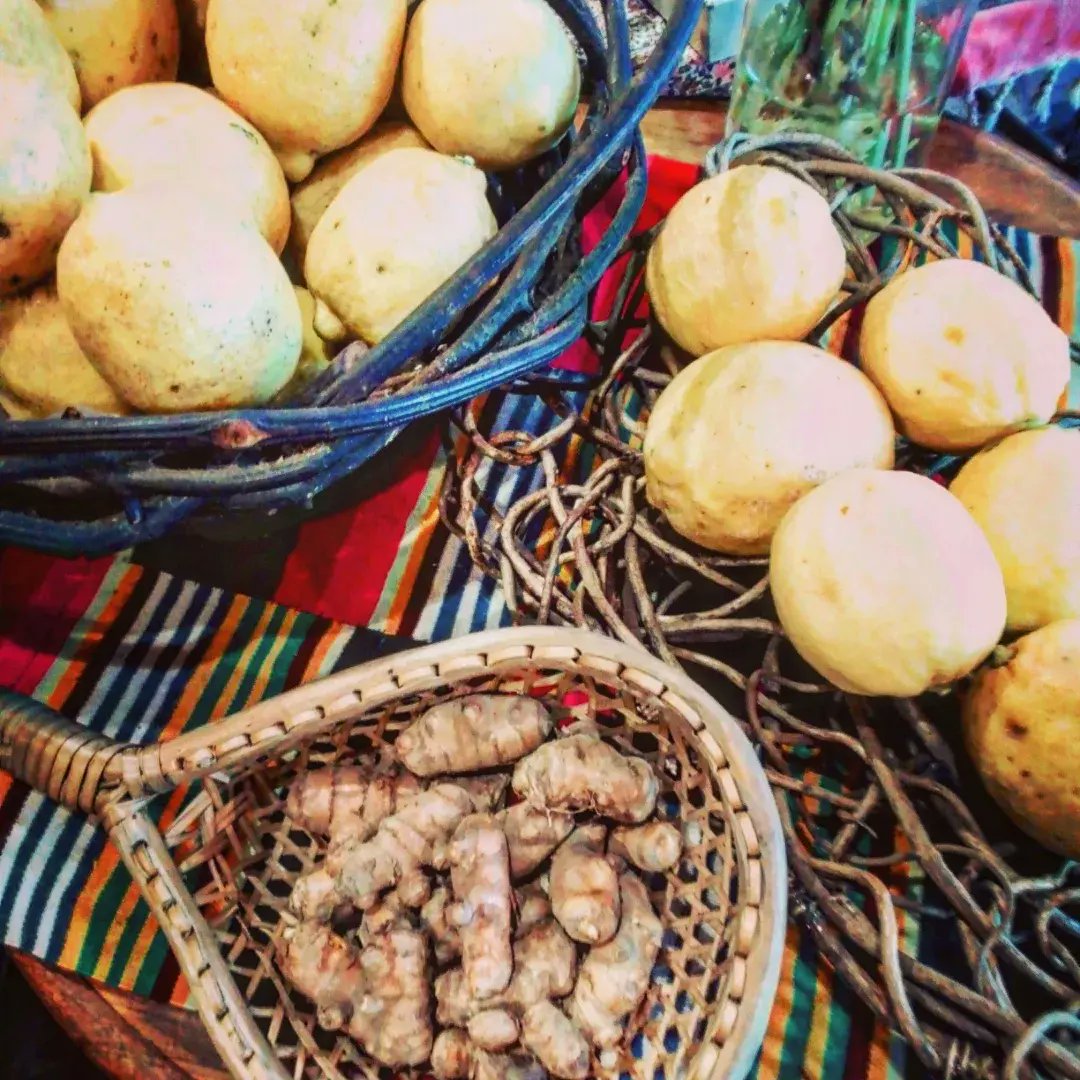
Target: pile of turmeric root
pixel 477 907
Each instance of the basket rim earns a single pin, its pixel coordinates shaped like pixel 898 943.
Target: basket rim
pixel 299 714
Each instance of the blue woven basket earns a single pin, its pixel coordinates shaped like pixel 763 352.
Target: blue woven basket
pixel 91 485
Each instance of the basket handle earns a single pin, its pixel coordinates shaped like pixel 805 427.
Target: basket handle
pixel 268 727
pixel 77 767
pixel 54 755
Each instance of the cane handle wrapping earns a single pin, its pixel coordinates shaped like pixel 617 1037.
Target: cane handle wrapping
pixel 54 755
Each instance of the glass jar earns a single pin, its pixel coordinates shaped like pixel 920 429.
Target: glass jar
pixel 872 74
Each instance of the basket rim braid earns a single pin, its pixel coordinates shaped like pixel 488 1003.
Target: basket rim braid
pixel 272 457
pixel 115 783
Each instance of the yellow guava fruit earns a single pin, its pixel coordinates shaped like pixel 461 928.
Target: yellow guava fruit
pixel 26 40
pixel 181 305
pixel 116 43
pixel 44 174
pixel 312 196
pixel 1025 494
pixel 41 362
pixel 885 585
pixel 1022 730
pixel 173 130
pixel 402 226
pixel 743 432
pixel 312 76
pixel 749 255
pixel 494 80
pixel 962 354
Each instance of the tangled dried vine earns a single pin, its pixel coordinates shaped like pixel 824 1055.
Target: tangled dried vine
pixel 886 829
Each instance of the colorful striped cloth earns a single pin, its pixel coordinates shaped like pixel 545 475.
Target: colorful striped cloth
pixel 140 654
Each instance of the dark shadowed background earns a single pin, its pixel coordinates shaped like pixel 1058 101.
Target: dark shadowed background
pixel 32 1044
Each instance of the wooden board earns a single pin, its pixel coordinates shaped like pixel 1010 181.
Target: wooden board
pixel 127 1037
pixel 1013 185
pixel 131 1038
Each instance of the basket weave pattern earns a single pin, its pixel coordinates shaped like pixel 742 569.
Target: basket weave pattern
pixel 880 813
pixel 219 879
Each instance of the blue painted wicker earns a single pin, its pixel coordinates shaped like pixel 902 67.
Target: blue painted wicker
pixel 90 485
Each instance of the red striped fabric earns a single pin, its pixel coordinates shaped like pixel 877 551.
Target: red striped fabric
pixel 345 558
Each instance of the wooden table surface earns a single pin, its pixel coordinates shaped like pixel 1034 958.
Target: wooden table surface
pixel 131 1038
pixel 1014 186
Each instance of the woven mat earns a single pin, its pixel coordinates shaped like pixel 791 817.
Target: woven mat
pixel 137 654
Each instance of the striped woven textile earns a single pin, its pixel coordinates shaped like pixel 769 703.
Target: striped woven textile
pixel 139 654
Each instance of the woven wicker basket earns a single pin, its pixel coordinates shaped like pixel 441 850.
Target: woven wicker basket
pixel 931 908
pixel 87 485
pixel 217 880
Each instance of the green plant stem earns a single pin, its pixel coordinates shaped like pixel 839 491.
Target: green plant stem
pixel 830 51
pixel 790 43
pixel 873 25
pixel 836 16
pixel 903 82
pixel 903 141
pixel 878 47
pixel 881 144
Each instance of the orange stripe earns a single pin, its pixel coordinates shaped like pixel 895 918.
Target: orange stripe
pixel 91 638
pixel 266 669
pixel 6 780
pixel 1067 296
pixel 428 524
pixel 877 1067
pixel 180 992
pixel 193 691
pixel 112 936
pixel 317 661
pixel 550 528
pixel 772 1049
pixel 226 703
pixel 314 665
pixel 127 978
pixel 106 863
pixel 82 913
pixel 426 529
pixel 573 452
